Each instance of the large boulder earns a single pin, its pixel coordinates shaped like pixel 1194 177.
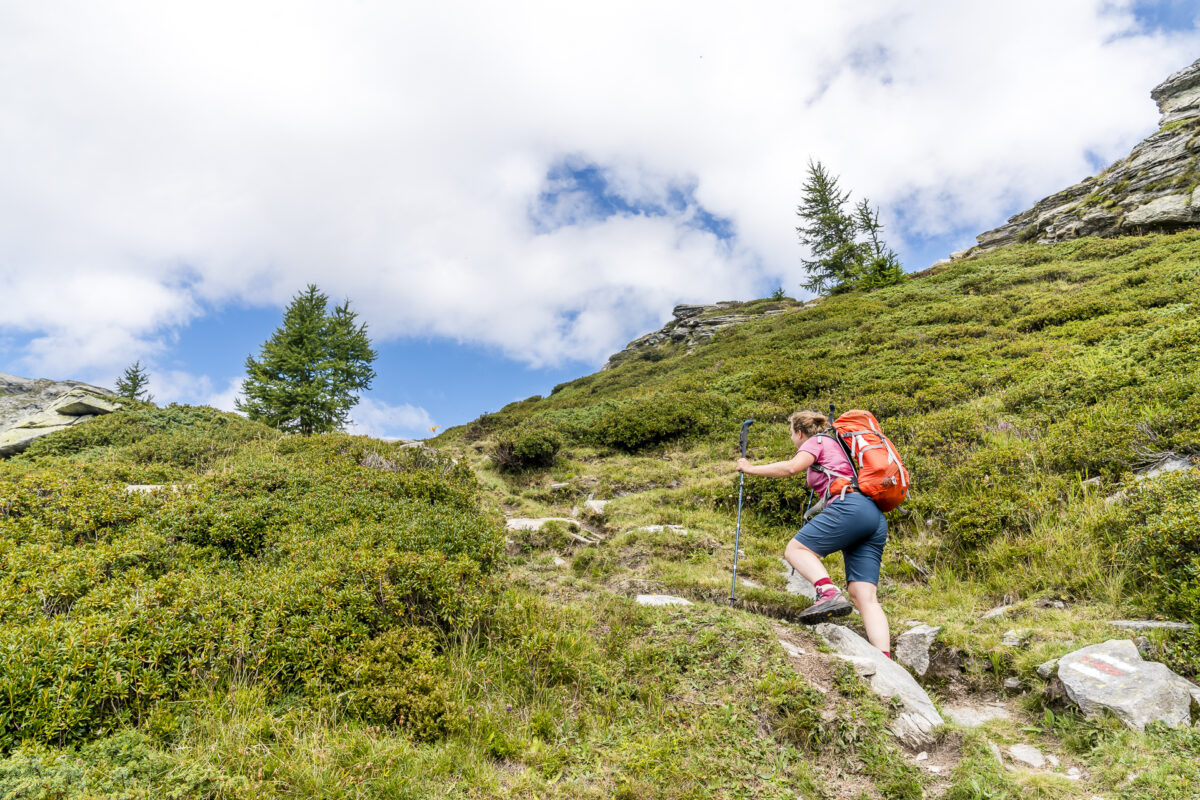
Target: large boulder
pixel 1114 676
pixel 914 725
pixel 30 409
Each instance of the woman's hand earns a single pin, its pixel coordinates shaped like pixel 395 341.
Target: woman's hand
pixel 743 465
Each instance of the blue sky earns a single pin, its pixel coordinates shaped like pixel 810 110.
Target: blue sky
pixel 507 195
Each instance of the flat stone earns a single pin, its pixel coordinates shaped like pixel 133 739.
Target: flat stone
pixel 971 716
pixel 1172 463
pixel 912 647
pixel 596 506
pixel 1114 676
pixel 797 583
pixel 1028 755
pixel 531 524
pixel 80 406
pixel 1149 625
pixel 1171 208
pixel 1012 684
pixel 1015 638
pixel 556 487
pixel 662 600
pixel 792 650
pixel 915 724
pixel 998 611
pixel 1046 669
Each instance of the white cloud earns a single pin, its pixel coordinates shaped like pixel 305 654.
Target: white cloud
pixel 178 386
pixel 383 421
pixel 163 158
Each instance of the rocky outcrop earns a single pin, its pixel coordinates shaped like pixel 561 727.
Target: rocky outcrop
pixel 1157 188
pixel 32 408
pixel 692 325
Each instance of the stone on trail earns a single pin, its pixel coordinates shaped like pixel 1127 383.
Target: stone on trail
pixel 914 725
pixel 912 647
pixel 661 600
pixel 1114 676
pixel 528 524
pixel 969 716
pixel 1028 755
pixel 1147 625
pixel 797 583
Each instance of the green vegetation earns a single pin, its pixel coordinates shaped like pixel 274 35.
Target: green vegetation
pixel 308 374
pixel 133 382
pixel 332 616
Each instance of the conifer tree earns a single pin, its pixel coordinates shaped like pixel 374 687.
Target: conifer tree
pixel 308 374
pixel 828 231
pixel 881 265
pixel 132 384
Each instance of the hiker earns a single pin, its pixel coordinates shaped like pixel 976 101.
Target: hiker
pixel 849 521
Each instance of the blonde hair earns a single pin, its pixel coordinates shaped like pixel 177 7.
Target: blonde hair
pixel 810 423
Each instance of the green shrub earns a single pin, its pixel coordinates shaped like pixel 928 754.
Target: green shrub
pixel 526 447
pixel 395 679
pixel 633 425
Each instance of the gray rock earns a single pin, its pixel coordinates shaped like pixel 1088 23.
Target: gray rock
pixel 559 562
pixel 1015 638
pixel 1149 625
pixel 1170 463
pixel 915 724
pixel 749 584
pixel 662 600
pixel 535 524
pixel 596 507
pixel 792 650
pixel 690 325
pixel 660 528
pixel 558 487
pixel 912 647
pixel 1148 190
pixel 1012 684
pixel 998 611
pixel 1028 755
pixel 797 583
pixel 1114 676
pixel 1144 646
pixel 972 716
pixel 1046 669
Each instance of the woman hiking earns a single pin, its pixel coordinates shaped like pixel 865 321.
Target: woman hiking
pixel 850 521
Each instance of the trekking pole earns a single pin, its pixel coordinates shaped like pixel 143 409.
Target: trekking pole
pixel 738 533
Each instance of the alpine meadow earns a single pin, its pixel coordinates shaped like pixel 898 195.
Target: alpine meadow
pixel 543 602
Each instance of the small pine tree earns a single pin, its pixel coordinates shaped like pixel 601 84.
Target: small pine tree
pixel 881 265
pixel 309 373
pixel 829 232
pixel 132 384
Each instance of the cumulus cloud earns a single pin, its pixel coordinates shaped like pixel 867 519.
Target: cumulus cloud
pixel 423 159
pixel 383 421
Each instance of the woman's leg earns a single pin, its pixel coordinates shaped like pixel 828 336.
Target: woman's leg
pixel 865 598
pixel 805 561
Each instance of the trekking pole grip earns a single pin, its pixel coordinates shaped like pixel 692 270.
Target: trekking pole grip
pixel 745 437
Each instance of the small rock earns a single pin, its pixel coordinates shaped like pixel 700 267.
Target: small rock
pixel 1053 759
pixel 995 748
pixel 662 600
pixel 660 528
pixel 934 768
pixel 921 756
pixel 749 584
pixel 912 647
pixel 974 716
pixel 1049 602
pixel 1015 639
pixel 596 507
pixel 1027 755
pixel 1172 463
pixel 559 562
pixel 1144 646
pixel 1046 670
pixel 1074 774
pixel 998 611
pixel 1012 684
pixel 1148 625
pixel 530 524
pixel 558 487
pixel 791 649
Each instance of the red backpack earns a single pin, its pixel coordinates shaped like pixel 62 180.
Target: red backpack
pixel 879 474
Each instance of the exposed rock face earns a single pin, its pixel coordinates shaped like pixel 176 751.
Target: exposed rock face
pixel 912 647
pixel 1157 188
pixel 31 408
pixel 691 326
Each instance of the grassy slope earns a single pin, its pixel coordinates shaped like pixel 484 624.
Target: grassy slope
pixel 334 618
pixel 1023 388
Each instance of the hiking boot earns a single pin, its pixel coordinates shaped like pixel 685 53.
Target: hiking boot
pixel 833 604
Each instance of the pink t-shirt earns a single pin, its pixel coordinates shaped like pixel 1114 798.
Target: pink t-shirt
pixel 829 454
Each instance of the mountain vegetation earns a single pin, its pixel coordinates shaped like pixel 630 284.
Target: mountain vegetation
pixel 194 604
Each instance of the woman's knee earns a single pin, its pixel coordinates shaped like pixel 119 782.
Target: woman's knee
pixel 795 546
pixel 862 593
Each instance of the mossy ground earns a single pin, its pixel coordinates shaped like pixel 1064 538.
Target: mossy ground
pixel 337 617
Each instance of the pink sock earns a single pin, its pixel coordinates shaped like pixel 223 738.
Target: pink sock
pixel 824 587
pixel 887 653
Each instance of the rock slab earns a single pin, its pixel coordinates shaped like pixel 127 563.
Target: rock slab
pixel 914 725
pixel 30 409
pixel 797 583
pixel 1114 676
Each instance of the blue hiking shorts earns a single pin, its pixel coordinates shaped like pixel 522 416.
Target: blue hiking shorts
pixel 854 525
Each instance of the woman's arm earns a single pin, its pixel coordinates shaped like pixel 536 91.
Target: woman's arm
pixel 778 469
